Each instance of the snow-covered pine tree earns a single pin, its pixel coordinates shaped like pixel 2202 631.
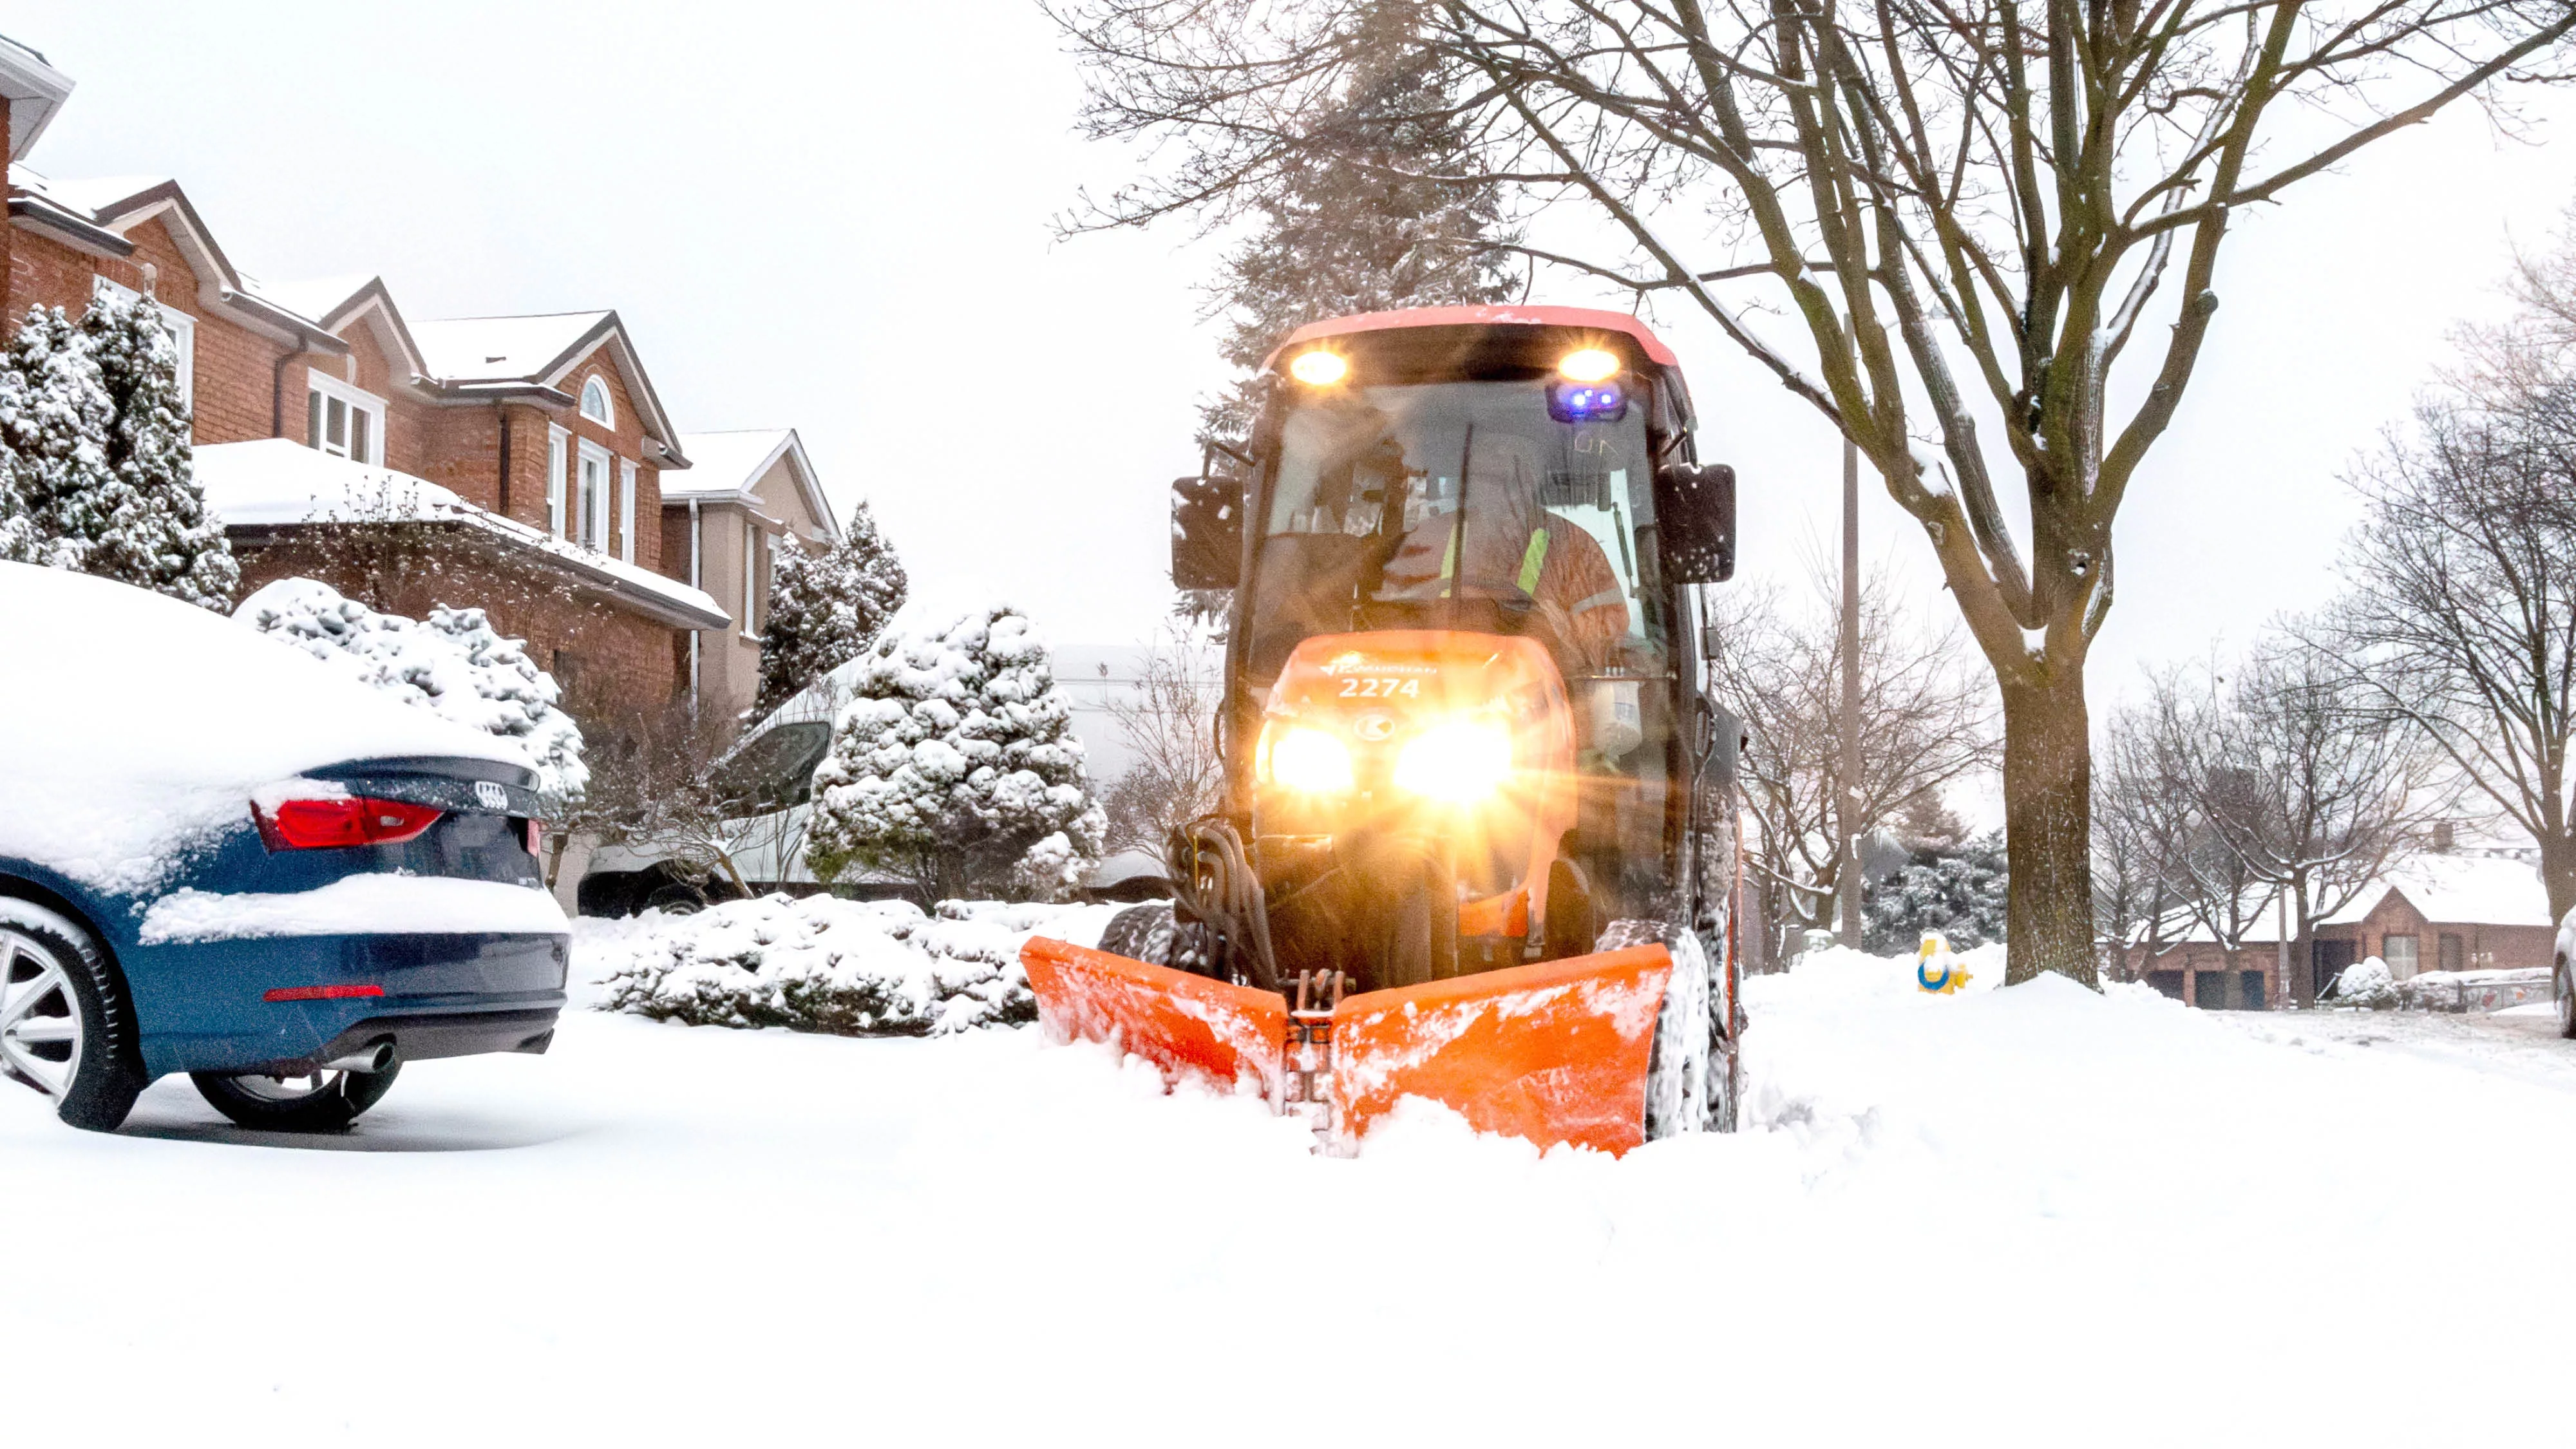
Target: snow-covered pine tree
pixel 1351 224
pixel 1958 891
pixel 162 537
pixel 59 495
pixel 955 767
pixel 826 609
pixel 452 662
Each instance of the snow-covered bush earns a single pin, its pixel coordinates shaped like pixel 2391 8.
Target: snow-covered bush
pixel 849 968
pixel 95 475
pixel 825 609
pixel 955 767
pixel 451 662
pixel 2367 983
pixel 1959 893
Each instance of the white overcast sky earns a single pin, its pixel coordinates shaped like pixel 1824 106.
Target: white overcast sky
pixel 837 218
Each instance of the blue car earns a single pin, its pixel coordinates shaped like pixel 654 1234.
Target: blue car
pixel 222 857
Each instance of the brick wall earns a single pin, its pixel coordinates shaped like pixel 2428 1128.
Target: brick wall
pixel 235 376
pixel 614 666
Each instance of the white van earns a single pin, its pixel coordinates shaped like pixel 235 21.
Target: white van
pixel 773 768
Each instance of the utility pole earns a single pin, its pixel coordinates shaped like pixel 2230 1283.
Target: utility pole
pixel 1847 817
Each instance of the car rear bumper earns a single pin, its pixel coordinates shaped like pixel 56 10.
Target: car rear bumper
pixel 207 1006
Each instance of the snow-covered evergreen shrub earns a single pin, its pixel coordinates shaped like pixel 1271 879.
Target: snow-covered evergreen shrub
pixel 97 474
pixel 163 538
pixel 955 766
pixel 1959 893
pixel 2367 982
pixel 849 968
pixel 55 417
pixel 826 609
pixel 451 662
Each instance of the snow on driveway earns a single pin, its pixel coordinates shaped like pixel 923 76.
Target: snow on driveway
pixel 2022 1216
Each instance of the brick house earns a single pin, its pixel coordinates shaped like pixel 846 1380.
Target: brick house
pixel 2446 911
pixel 2462 911
pixel 725 517
pixel 540 439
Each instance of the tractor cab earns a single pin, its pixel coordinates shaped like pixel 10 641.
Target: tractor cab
pixel 1457 541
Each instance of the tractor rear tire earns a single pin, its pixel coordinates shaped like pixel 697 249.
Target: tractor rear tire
pixel 1694 1079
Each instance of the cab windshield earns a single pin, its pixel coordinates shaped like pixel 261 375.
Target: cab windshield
pixel 1461 505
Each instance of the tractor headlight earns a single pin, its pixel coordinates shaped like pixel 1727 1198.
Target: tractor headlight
pixel 1304 758
pixel 1461 762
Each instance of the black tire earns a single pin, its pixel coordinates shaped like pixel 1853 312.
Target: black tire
pixel 1694 1075
pixel 1141 933
pixel 330 1103
pixel 2563 989
pixel 676 899
pixel 85 1049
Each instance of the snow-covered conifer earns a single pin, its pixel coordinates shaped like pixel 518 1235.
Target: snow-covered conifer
pixel 1351 223
pixel 1958 892
pixel 826 609
pixel 955 766
pixel 451 662
pixel 162 537
pixel 55 417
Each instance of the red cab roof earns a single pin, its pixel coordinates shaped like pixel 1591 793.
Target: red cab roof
pixel 1585 318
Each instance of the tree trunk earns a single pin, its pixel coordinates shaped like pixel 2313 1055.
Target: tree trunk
pixel 2558 875
pixel 2048 830
pixel 2303 955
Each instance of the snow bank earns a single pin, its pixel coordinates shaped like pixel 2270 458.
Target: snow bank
pixel 138 726
pixel 849 968
pixel 361 905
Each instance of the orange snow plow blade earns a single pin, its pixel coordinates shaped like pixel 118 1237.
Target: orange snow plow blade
pixel 1187 1025
pixel 1555 1052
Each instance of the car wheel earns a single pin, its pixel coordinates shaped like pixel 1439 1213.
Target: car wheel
pixel 2563 986
pixel 66 1026
pixel 676 900
pixel 316 1102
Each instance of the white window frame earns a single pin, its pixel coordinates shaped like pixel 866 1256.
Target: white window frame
pixel 606 417
pixel 357 400
pixel 626 509
pixel 558 459
pixel 183 334
pixel 750 575
pixel 594 521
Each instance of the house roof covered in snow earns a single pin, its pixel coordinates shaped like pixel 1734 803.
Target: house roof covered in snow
pixel 275 483
pixel 2460 889
pixel 484 353
pixel 94 215
pixel 724 466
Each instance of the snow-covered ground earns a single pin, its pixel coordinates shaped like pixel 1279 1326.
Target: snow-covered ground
pixel 2016 1216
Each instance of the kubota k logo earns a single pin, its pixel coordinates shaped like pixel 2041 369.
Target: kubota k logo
pixel 1373 727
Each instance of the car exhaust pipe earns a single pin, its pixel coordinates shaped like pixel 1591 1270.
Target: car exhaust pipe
pixel 365 1059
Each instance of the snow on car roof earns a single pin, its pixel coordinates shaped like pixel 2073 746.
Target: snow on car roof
pixel 2486 890
pixel 140 725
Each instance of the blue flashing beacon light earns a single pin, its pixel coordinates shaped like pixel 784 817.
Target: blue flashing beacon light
pixel 1587 402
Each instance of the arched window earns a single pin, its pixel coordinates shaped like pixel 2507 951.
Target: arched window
pixel 594 402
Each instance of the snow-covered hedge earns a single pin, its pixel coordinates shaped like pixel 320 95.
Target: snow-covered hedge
pixel 849 968
pixel 451 662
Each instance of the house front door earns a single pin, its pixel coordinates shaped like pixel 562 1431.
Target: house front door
pixel 2328 958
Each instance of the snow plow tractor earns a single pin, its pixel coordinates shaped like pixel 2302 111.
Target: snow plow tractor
pixel 1478 840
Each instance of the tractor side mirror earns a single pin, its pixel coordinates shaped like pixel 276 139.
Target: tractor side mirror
pixel 1207 533
pixel 1695 517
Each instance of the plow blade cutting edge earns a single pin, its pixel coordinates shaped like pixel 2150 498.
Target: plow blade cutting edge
pixel 1556 1052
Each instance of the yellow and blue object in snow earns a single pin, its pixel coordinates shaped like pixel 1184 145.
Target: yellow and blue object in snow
pixel 1935 969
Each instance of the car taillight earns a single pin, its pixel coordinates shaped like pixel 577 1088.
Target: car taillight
pixel 349 820
pixel 536 837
